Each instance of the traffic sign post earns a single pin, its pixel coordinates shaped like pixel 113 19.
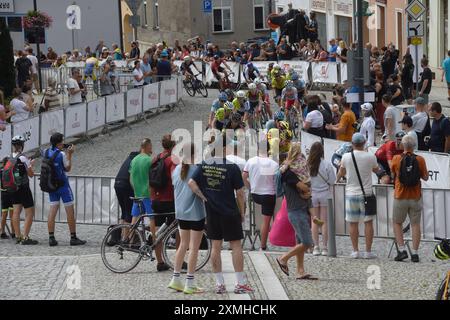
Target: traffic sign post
pixel 207 6
pixel 415 9
pixel 416 29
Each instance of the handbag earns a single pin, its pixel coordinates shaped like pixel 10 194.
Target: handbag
pixel 370 202
pixel 282 234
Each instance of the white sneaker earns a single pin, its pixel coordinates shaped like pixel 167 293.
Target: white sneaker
pixel 316 251
pixel 369 255
pixel 324 252
pixel 355 255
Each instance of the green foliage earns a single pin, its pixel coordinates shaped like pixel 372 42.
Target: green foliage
pixel 7 70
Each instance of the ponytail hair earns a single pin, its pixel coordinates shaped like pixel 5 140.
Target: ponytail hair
pixel 188 159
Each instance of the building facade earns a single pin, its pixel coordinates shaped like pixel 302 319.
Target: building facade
pixel 99 20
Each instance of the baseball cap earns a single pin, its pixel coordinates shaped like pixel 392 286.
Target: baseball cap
pixel 164 53
pixel 407 120
pixel 366 107
pixel 358 138
pixel 421 101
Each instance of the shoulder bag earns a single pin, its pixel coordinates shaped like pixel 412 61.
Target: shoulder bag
pixel 370 202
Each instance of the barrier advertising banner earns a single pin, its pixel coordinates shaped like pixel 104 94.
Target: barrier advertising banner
pixel 29 129
pixel 168 92
pixel 438 166
pixel 76 120
pixel 324 72
pixel 344 75
pixel 96 114
pixel 151 96
pixel 115 107
pixel 300 67
pixel 262 66
pixel 51 122
pixel 5 142
pixel 307 141
pixel 134 102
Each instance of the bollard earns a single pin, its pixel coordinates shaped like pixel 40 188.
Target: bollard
pixel 331 230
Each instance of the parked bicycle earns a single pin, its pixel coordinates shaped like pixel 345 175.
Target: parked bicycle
pixel 442 252
pixel 125 245
pixel 193 85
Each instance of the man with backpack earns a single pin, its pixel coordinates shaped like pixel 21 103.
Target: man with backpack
pixel 408 169
pixel 54 181
pixel 162 194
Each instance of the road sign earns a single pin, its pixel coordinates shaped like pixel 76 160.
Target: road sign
pixel 415 9
pixel 207 6
pixel 416 41
pixel 134 5
pixel 416 29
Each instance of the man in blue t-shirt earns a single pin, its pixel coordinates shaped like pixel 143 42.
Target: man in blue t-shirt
pixel 62 164
pixel 446 72
pixel 333 51
pixel 164 67
pixel 440 130
pixel 216 181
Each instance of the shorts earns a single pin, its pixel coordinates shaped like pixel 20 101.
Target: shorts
pixel 250 106
pixel 192 225
pixel 320 199
pixel 23 197
pixel 7 201
pixel 163 207
pixel 355 210
pixel 135 211
pixel 301 222
pixel 126 204
pixel 289 104
pixel 407 207
pixel 64 193
pixel 267 203
pixel 223 227
pixel 278 92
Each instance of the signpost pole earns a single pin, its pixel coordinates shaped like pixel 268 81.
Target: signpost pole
pixel 417 70
pixel 38 49
pixel 360 51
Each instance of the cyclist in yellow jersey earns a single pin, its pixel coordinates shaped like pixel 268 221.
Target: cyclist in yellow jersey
pixel 278 84
pixel 222 116
pixel 239 102
pixel 92 65
pixel 281 137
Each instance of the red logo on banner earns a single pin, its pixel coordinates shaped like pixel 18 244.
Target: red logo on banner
pixel 170 92
pixel 134 102
pixel 152 96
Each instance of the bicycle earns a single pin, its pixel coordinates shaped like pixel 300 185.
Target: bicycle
pixel 136 243
pixel 227 84
pixel 443 292
pixel 193 85
pixel 264 117
pixel 293 118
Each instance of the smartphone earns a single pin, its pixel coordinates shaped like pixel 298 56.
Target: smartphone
pixel 67 146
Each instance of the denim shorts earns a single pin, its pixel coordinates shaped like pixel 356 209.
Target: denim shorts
pixel 301 222
pixel 135 211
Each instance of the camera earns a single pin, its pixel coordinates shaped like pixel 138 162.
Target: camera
pixel 67 146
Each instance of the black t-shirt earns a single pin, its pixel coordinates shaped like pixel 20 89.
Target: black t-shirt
pixel 392 90
pixel 123 176
pixel 218 179
pixel 439 131
pixel 135 53
pixel 23 66
pixel 293 199
pixel 407 75
pixel 426 75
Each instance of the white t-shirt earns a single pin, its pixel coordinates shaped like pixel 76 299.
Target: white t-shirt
pixel 413 134
pixel 139 73
pixel 236 160
pixel 20 108
pixel 366 163
pixel 76 98
pixel 34 62
pixel 326 178
pixel 261 173
pixel 390 114
pixel 23 159
pixel 368 130
pixel 315 118
pixel 419 121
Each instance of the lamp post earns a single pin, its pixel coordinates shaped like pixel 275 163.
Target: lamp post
pixel 38 52
pixel 134 6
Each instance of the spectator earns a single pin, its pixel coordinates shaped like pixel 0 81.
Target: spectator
pixel 138 80
pixel 395 91
pixel 21 111
pixel 421 123
pixel 426 80
pixel 283 50
pixel 52 56
pixel 310 52
pixel 5 114
pixel 321 54
pixel 75 57
pixel 322 178
pixel 345 129
pixel 162 197
pixel 407 74
pixel 23 66
pixel 387 64
pixel 314 121
pixel 217 182
pixel 99 48
pixel 259 177
pixel 368 125
pixel 366 163
pixel 271 51
pixel 135 53
pixel 117 53
pixel 313 27
pixel 385 154
pixel 302 23
pixel 390 121
pixel 263 56
pixel 106 87
pixel 254 51
pixel 51 97
pixel 408 169
pixel 75 92
pixel 446 72
pixel 299 218
pixel 62 163
pixel 87 53
pixel 164 67
pixel 407 126
pixel 440 130
pixel 147 70
pixel 34 68
pixel 341 52
pixel 333 51
pixel 302 49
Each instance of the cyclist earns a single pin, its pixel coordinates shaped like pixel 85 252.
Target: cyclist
pixel 222 116
pixel 278 84
pixel 235 123
pixel 253 104
pixel 277 119
pixel 269 72
pixel 385 154
pixel 289 96
pixel 251 73
pixel 186 69
pixel 217 104
pixel 217 70
pixel 300 85
pixel 239 102
pixel 265 94
pixel 230 95
pixel 282 136
pixel 92 65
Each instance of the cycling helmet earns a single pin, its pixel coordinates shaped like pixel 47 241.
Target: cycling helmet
pixel 399 135
pixel 18 140
pixel 338 154
pixel 289 84
pixel 257 81
pixel 187 58
pixel 442 250
pixel 236 117
pixel 284 125
pixel 276 66
pixel 252 86
pixel 294 76
pixel 249 65
pixel 229 93
pixel 286 135
pixel 279 116
pixel 240 94
pixel 228 106
pixel 223 96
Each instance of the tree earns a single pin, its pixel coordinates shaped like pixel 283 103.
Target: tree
pixel 7 70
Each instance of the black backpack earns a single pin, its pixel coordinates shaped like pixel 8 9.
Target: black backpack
pixel 409 171
pixel 49 181
pixel 327 115
pixel 157 175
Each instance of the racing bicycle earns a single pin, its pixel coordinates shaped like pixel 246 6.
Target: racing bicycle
pixel 443 292
pixel 193 85
pixel 125 245
pixel 228 84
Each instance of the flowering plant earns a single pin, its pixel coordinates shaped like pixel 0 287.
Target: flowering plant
pixel 35 19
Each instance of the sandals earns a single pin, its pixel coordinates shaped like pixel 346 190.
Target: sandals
pixel 284 268
pixel 307 277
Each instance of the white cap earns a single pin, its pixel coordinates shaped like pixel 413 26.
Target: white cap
pixel 367 107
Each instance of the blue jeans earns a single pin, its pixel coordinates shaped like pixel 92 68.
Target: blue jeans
pixel 301 222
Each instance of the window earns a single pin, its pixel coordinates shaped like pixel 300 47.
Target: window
pixel 156 16
pixel 13 23
pixel 222 15
pixel 260 11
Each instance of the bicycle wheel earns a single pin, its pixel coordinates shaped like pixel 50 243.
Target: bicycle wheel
pixel 170 248
pixel 189 88
pixel 202 89
pixel 441 294
pixel 125 255
pixel 235 86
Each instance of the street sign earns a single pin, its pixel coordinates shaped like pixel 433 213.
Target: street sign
pixel 73 17
pixel 207 6
pixel 416 29
pixel 416 41
pixel 134 5
pixel 415 9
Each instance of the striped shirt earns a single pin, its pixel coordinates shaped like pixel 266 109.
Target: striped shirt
pixel 52 98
